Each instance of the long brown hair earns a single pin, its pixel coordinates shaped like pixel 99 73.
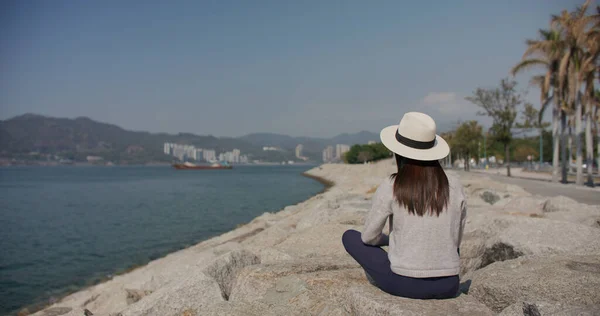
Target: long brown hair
pixel 421 186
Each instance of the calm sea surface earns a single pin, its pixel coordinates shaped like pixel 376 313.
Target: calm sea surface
pixel 62 228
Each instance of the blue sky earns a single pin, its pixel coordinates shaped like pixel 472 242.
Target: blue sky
pixel 228 68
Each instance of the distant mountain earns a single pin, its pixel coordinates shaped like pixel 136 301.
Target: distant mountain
pixel 80 137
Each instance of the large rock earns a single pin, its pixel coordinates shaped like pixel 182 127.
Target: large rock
pixel 254 282
pixel 368 300
pixel 525 205
pixel 195 294
pixel 490 237
pixel 572 280
pixel 560 203
pixel 302 287
pixel 225 269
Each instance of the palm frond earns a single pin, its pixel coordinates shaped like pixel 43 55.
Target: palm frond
pixel 527 64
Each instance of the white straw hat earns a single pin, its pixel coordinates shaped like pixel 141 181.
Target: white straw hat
pixel 415 138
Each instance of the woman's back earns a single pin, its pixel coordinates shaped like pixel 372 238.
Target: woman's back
pixel 428 212
pixel 425 246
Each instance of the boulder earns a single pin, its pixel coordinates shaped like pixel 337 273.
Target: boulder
pixel 195 294
pixel 225 269
pixel 255 282
pixel 560 203
pixel 490 237
pixel 572 280
pixel 525 205
pixel 366 300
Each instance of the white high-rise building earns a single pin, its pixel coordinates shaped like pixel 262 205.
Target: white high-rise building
pixel 299 151
pixel 328 154
pixel 167 149
pixel 236 155
pixel 209 155
pixel 340 150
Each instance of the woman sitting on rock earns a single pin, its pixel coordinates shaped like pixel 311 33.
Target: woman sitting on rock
pixel 427 211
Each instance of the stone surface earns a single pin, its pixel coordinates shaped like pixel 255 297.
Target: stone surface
pixel 560 203
pixel 572 280
pixel 545 308
pixel 367 300
pixel 135 295
pixel 225 270
pixel 56 311
pixel 318 240
pixel 491 236
pixel 194 294
pixel 525 205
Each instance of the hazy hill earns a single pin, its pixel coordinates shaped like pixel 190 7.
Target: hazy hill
pixel 77 138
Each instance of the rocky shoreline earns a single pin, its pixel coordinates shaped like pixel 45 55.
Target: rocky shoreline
pixel 521 255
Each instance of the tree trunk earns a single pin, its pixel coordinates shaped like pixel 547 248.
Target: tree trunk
pixel 598 146
pixel 578 148
pixel 563 153
pixel 507 159
pixel 556 144
pixel 589 148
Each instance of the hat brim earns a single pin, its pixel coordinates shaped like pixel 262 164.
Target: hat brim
pixel 439 150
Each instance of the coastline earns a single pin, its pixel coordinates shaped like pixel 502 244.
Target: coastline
pixel 36 308
pixel 327 184
pixel 292 262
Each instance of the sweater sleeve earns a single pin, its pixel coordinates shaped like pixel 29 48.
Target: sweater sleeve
pixel 375 221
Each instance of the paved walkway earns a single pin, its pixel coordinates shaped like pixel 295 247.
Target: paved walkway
pixel 542 186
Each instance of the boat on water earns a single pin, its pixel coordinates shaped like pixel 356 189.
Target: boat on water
pixel 191 166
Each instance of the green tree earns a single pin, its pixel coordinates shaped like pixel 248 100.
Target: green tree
pixel 501 104
pixel 466 140
pixel 366 153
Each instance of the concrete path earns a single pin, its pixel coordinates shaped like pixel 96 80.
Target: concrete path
pixel 544 188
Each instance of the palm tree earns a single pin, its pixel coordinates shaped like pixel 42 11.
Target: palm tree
pixel 574 30
pixel 589 72
pixel 547 52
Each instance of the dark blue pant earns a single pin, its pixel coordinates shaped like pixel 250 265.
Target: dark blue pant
pixel 377 266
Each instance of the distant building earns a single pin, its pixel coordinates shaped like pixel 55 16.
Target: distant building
pixel 328 154
pixel 167 149
pixel 372 142
pixel 93 158
pixel 179 152
pixel 209 155
pixel 299 151
pixel 199 154
pixel 236 156
pixel 340 150
pixel 267 148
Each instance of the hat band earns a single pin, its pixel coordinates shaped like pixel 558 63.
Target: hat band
pixel 414 143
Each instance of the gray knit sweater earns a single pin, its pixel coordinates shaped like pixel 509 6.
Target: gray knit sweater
pixel 419 247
